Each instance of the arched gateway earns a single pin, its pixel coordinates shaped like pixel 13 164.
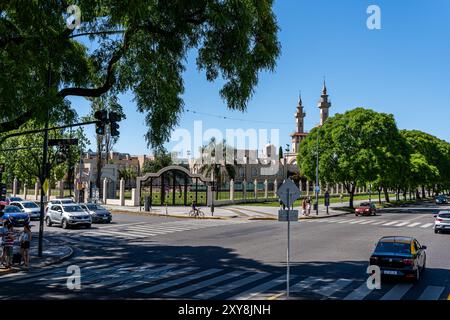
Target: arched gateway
pixel 174 185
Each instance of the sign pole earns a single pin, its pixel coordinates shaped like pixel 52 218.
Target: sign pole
pixel 288 244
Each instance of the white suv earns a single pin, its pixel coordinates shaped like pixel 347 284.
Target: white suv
pixel 442 222
pixel 67 215
pixel 59 201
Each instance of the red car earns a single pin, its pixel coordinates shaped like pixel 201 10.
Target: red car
pixel 366 209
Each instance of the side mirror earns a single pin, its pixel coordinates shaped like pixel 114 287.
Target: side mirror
pixel 424 247
pixel 435 216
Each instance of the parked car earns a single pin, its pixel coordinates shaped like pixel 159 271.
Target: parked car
pixel 366 209
pixel 33 210
pixel 442 222
pixel 59 201
pixel 5 201
pixel 16 216
pixel 67 215
pixel 97 212
pixel 441 199
pixel 400 257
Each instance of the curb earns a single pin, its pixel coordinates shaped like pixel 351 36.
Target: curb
pixel 54 261
pixel 146 213
pixel 302 218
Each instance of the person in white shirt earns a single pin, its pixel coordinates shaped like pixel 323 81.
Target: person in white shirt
pixel 25 240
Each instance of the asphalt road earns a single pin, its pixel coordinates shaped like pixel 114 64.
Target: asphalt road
pixel 139 257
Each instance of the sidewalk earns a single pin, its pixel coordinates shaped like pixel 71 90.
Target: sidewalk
pixel 51 254
pixel 226 212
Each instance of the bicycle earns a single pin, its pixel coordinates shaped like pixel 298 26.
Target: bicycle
pixel 196 213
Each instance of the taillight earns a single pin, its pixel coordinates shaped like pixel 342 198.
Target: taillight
pixel 439 220
pixel 408 262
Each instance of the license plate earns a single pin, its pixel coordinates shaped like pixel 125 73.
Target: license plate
pixel 390 272
pixel 447 227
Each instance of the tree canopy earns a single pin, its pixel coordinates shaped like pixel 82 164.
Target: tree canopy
pixel 139 46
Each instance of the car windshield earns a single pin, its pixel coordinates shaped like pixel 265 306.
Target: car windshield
pixel 94 207
pixel 72 209
pixel 15 199
pixel 394 247
pixel 67 201
pixel 365 204
pixel 29 205
pixel 12 209
pixel 444 215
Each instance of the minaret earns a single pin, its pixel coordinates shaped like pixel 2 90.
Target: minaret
pixel 324 105
pixel 300 120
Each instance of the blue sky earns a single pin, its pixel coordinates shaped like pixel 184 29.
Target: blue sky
pixel 403 69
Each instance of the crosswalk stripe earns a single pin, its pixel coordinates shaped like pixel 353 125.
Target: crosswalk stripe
pixel 159 229
pixel 256 291
pixel 346 221
pixel 360 293
pixel 391 223
pixel 305 284
pixel 413 224
pixel 147 280
pixel 178 281
pixel 367 222
pixel 432 293
pixel 330 289
pixel 129 275
pixel 89 275
pixel 183 291
pixel 358 221
pixel 379 222
pixel 126 235
pixel 230 286
pixel 397 292
pixel 427 225
pixel 402 224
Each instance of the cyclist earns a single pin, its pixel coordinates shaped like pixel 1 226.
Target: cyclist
pixel 194 208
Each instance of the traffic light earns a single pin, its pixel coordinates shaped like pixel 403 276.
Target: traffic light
pixel 101 117
pixel 114 117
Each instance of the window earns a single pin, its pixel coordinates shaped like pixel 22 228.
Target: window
pixel 55 208
pixel 254 172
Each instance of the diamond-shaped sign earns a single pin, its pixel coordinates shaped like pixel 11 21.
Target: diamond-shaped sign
pixel 288 192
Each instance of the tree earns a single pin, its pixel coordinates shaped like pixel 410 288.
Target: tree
pixel 139 47
pixel 127 174
pixel 216 161
pixel 280 153
pixel 161 160
pixel 351 147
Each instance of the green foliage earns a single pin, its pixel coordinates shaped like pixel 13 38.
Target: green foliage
pixel 139 47
pixel 161 160
pixel 217 160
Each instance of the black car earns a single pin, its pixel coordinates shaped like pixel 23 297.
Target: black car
pixel 400 257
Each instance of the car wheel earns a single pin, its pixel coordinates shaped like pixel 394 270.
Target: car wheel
pixel 64 224
pixel 436 231
pixel 48 222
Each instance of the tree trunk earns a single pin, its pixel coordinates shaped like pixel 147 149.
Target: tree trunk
pixel 379 196
pixel 386 195
pixel 423 192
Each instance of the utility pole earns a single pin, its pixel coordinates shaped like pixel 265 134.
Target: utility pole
pixel 317 174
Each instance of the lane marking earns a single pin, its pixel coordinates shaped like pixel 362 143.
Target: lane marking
pixel 305 284
pixel 276 296
pixel 360 293
pixel 427 225
pixel 397 292
pixel 258 290
pixel 414 224
pixel 330 289
pixel 432 293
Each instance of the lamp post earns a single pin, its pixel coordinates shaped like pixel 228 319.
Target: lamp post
pixel 245 179
pixel 370 193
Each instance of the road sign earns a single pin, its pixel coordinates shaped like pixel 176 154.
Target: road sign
pixel 287 215
pixel 288 192
pixel 2 167
pixel 327 198
pixel 317 189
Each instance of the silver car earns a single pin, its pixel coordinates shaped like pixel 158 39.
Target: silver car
pixel 442 222
pixel 33 210
pixel 98 213
pixel 67 215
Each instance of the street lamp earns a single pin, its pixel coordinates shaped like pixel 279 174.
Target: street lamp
pixel 245 178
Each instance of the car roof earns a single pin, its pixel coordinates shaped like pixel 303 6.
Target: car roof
pixel 401 239
pixel 69 204
pixel 445 211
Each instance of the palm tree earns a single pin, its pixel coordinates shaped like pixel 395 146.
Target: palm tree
pixel 217 167
pixel 127 174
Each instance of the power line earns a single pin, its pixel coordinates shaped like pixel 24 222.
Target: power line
pixel 235 119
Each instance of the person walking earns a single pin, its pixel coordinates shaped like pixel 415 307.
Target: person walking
pixel 342 198
pixel 9 244
pixel 25 240
pixel 304 206
pixel 308 206
pixel 3 231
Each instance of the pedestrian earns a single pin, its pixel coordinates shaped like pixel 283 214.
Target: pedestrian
pixel 8 245
pixel 304 206
pixel 308 206
pixel 3 231
pixel 25 240
pixel 341 197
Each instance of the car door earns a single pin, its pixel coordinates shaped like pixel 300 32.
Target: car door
pixel 57 213
pixel 419 252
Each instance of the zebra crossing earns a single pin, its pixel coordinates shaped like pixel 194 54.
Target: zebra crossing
pixel 203 283
pixel 110 234
pixel 374 222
